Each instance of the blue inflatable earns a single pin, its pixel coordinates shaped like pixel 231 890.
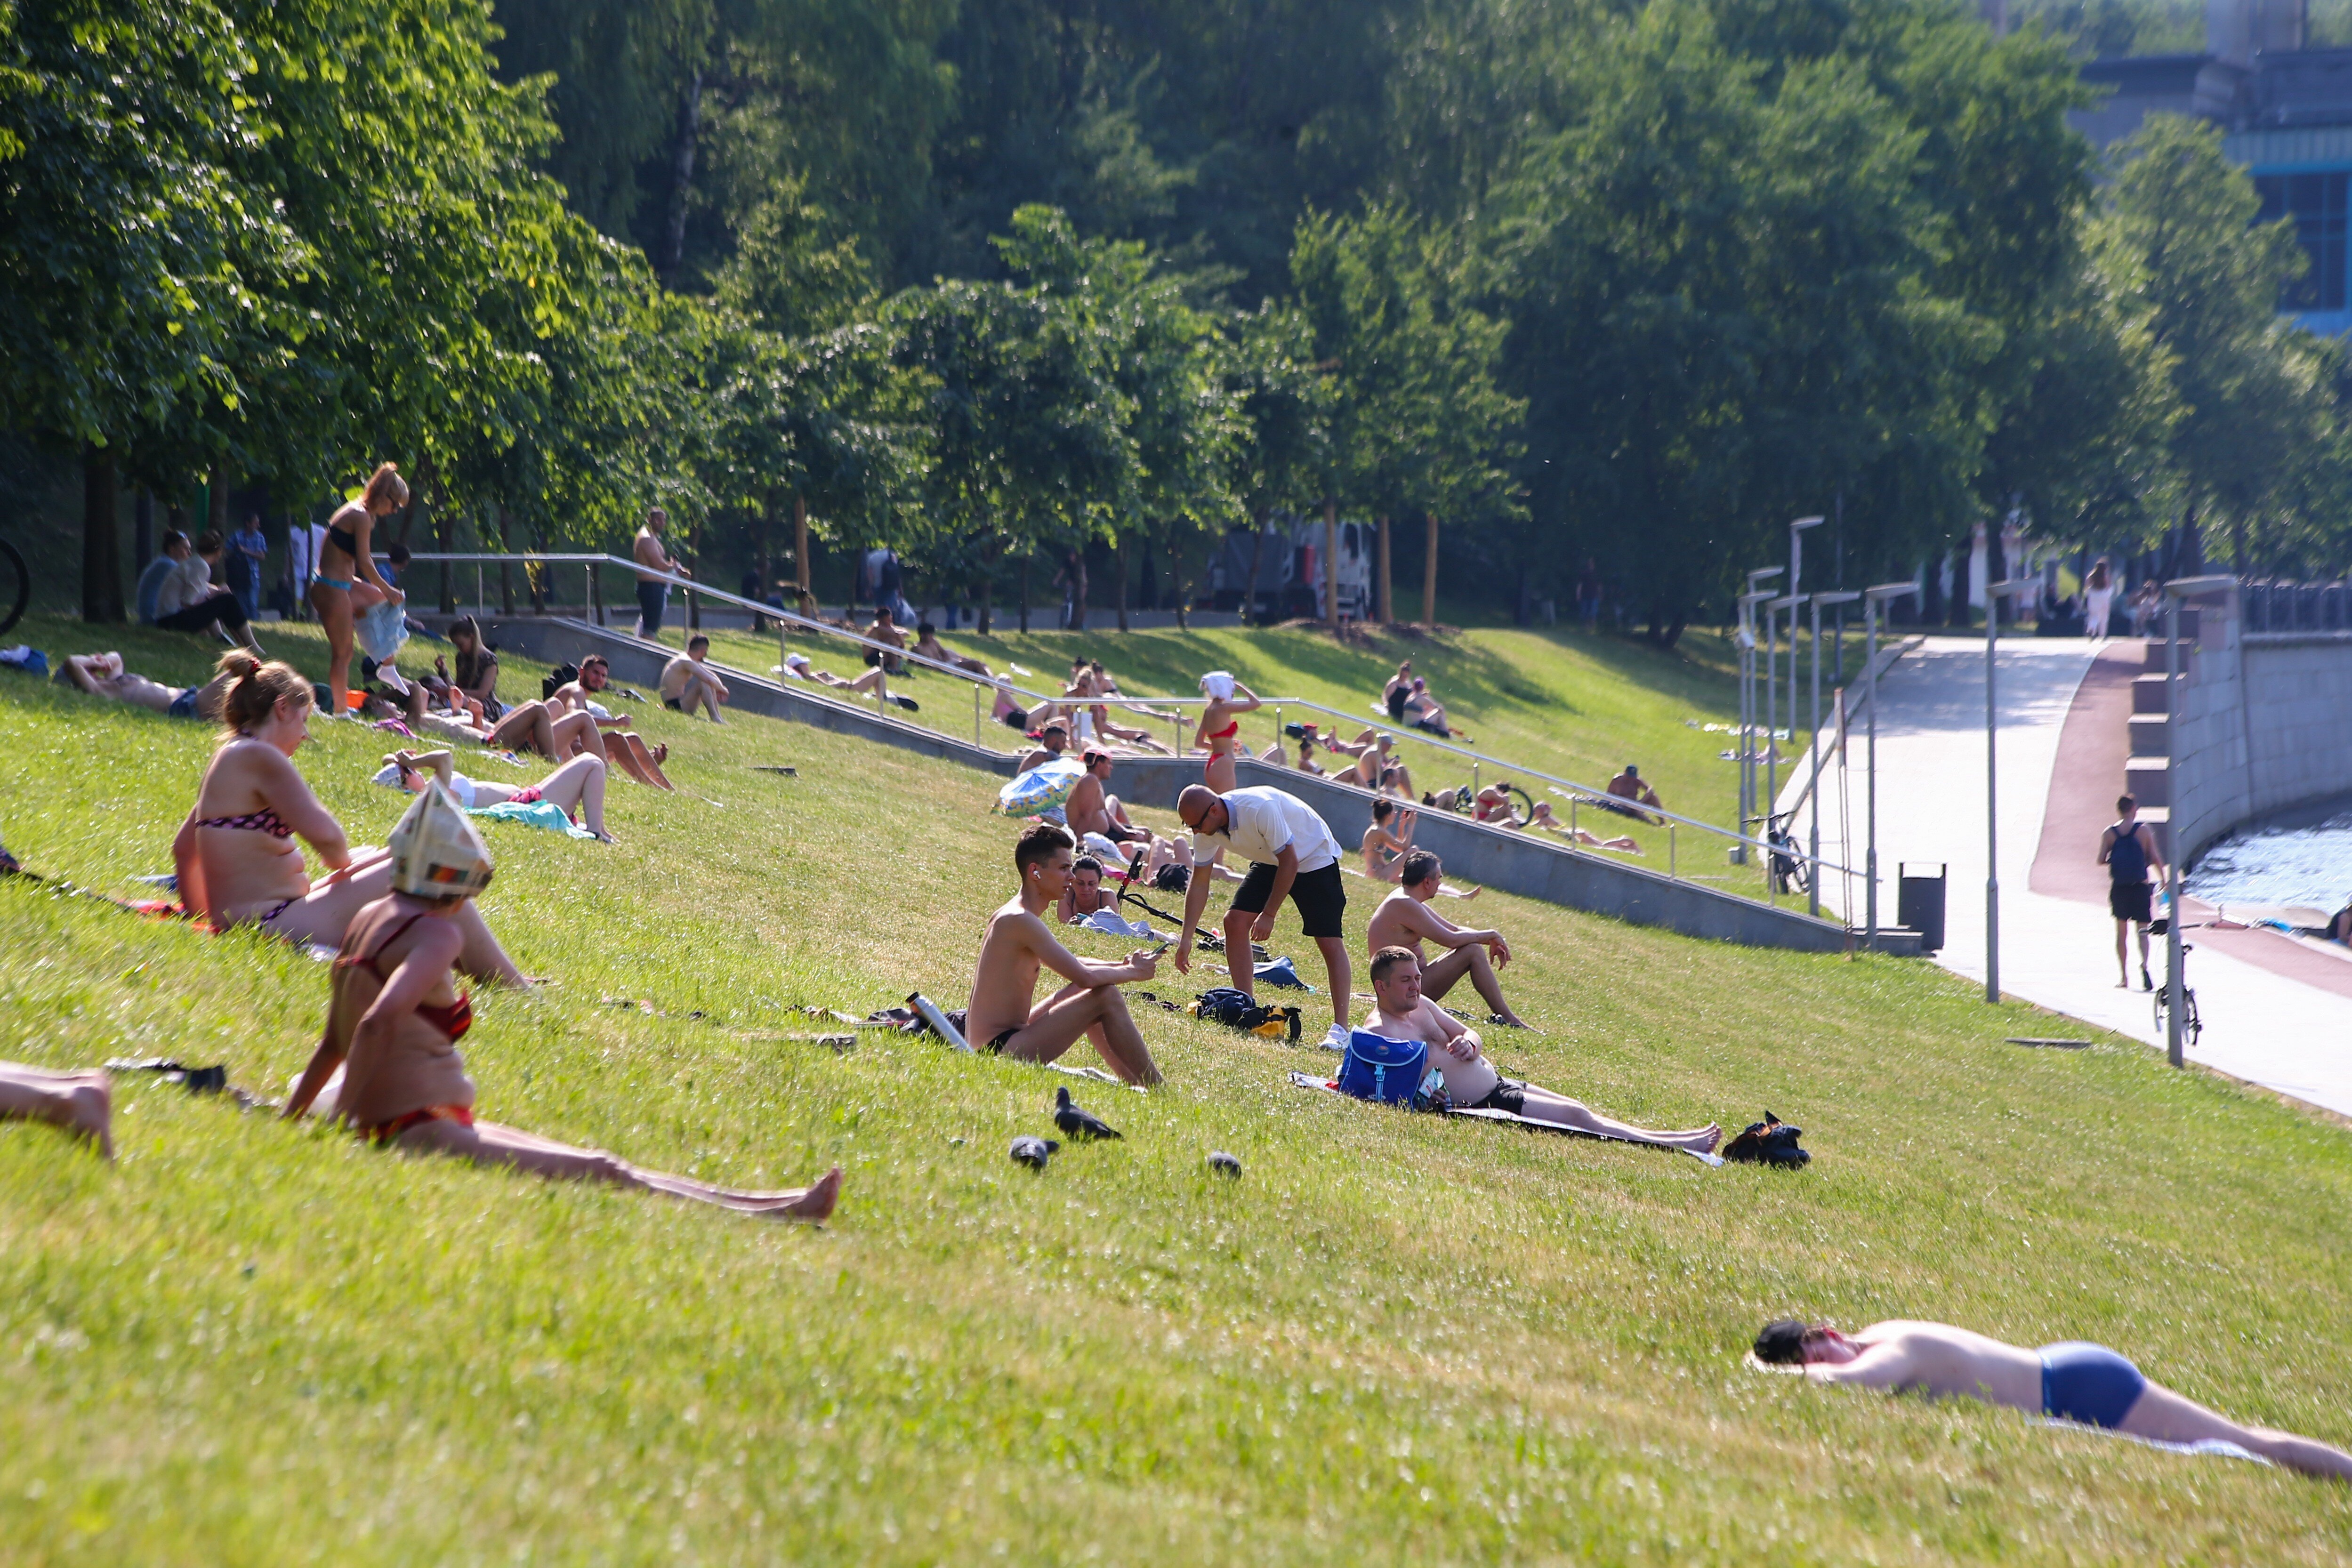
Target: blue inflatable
pixel 1041 790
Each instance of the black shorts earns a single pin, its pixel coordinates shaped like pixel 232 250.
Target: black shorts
pixel 1504 1096
pixel 1320 896
pixel 652 598
pixel 673 705
pixel 2132 901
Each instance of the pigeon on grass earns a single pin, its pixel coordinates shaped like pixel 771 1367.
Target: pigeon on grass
pixel 1077 1122
pixel 1033 1152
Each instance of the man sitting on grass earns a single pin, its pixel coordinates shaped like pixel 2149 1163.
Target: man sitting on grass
pixel 1000 1018
pixel 1400 1011
pixel 1092 809
pixel 1629 786
pixel 687 682
pixel 927 645
pixel 102 675
pixel 1293 855
pixel 1052 742
pixel 1405 920
pixel 2070 1381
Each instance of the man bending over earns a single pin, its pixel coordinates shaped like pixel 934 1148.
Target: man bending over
pixel 1001 1019
pixel 1401 1012
pixel 1405 920
pixel 1292 855
pixel 2071 1381
pixel 687 682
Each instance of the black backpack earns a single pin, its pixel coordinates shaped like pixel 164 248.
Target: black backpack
pixel 1770 1142
pixel 557 679
pixel 1225 1005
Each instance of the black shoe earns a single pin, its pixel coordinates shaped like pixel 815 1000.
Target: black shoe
pixel 2145 983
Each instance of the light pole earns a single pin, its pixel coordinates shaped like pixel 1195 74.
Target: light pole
pixel 1872 598
pixel 2174 593
pixel 1748 604
pixel 1994 593
pixel 1813 845
pixel 1772 800
pixel 1796 587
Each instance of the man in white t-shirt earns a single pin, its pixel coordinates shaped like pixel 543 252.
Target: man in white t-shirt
pixel 1293 855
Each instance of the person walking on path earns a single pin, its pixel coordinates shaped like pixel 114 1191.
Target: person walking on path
pixel 653 594
pixel 1293 856
pixel 2127 849
pixel 2099 601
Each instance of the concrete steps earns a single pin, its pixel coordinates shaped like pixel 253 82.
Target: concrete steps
pixel 2149 780
pixel 2151 734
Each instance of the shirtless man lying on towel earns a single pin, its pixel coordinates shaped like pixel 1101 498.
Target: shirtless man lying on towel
pixel 1000 1018
pixel 2071 1381
pixel 1401 1012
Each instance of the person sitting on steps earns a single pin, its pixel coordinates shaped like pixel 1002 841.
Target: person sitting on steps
pixel 1400 1011
pixel 1002 1018
pixel 394 1017
pixel 2069 1381
pixel 1405 920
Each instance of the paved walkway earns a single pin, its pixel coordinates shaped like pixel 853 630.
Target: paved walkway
pixel 2276 1013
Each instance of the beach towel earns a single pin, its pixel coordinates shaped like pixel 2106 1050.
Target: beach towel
pixel 533 814
pixel 1111 925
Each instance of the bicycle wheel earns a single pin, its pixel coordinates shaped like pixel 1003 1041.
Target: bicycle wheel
pixel 15 586
pixel 2192 1026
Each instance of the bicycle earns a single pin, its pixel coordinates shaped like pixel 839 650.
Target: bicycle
pixel 15 586
pixel 1790 871
pixel 2192 1026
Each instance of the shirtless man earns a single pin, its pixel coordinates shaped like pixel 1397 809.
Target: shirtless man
pixel 1092 809
pixel 622 748
pixel 1293 855
pixel 885 630
pixel 81 1103
pixel 1000 1018
pixel 797 667
pixel 1630 785
pixel 688 681
pixel 1405 920
pixel 1052 742
pixel 927 645
pixel 653 594
pixel 102 675
pixel 1088 686
pixel 2070 1381
pixel 1400 1011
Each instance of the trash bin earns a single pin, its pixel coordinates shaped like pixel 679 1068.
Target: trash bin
pixel 1919 904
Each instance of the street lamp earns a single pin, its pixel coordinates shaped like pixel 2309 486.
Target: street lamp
pixel 1747 602
pixel 2174 593
pixel 1771 715
pixel 1872 598
pixel 1994 593
pixel 1813 845
pixel 1796 587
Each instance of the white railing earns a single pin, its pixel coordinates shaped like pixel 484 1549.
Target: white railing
pixel 1575 793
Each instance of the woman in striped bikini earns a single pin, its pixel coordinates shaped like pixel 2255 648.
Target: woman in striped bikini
pixel 236 857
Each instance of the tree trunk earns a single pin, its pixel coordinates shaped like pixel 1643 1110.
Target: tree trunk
pixel 216 500
pixel 1331 563
pixel 1078 588
pixel 800 544
pixel 1429 579
pixel 1385 612
pixel 101 563
pixel 681 175
pixel 142 528
pixel 1176 574
pixel 1122 583
pixel 1025 562
pixel 1250 613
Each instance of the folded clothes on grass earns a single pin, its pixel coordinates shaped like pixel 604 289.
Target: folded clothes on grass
pixel 1111 925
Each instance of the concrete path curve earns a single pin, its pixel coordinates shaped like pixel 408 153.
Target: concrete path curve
pixel 2275 1013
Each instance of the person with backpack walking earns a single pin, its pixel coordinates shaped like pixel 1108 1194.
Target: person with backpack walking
pixel 2127 849
pixel 1292 855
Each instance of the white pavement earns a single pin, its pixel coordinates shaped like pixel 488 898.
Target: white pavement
pixel 2260 1026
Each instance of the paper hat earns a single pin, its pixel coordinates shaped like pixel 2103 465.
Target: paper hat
pixel 1218 684
pixel 436 853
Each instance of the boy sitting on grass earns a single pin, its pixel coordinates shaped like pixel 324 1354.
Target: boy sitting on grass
pixel 394 1017
pixel 1001 1019
pixel 1401 1012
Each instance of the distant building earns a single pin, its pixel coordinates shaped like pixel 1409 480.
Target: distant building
pixel 2286 114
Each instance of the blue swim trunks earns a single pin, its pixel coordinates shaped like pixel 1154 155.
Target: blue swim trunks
pixel 2088 1383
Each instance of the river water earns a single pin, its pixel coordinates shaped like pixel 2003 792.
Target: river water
pixel 2311 866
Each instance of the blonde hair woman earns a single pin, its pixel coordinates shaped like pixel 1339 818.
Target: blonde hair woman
pixel 347 584
pixel 236 860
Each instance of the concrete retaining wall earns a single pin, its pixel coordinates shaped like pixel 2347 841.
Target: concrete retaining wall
pixel 1591 880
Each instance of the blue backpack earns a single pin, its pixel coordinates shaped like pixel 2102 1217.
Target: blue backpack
pixel 1375 1066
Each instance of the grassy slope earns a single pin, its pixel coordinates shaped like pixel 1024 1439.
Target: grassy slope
pixel 1577 706
pixel 1393 1340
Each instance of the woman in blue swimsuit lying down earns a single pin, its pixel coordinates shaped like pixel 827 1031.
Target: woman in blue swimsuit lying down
pixel 236 857
pixel 348 584
pixel 2070 1381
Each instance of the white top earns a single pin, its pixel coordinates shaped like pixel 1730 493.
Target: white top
pixel 191 584
pixel 1262 819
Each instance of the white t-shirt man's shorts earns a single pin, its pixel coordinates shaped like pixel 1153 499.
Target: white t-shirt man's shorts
pixel 1260 821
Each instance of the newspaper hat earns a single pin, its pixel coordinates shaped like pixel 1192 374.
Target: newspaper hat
pixel 436 853
pixel 1218 684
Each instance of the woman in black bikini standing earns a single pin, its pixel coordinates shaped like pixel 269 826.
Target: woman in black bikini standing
pixel 348 584
pixel 236 861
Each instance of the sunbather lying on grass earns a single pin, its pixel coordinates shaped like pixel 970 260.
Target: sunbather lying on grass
pixel 1549 823
pixel 1001 1017
pixel 578 784
pixel 1401 1012
pixel 234 854
pixel 2071 1381
pixel 395 1017
pixel 102 675
pixel 797 667
pixel 81 1103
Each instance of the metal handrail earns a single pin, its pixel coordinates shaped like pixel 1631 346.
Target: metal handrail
pixel 1000 683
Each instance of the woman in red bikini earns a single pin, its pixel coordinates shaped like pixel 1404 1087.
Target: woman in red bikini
pixel 1220 727
pixel 395 1017
pixel 235 855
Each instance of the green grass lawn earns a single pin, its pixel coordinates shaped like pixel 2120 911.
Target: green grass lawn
pixel 1393 1340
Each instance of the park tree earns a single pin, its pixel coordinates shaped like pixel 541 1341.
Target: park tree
pixel 1287 398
